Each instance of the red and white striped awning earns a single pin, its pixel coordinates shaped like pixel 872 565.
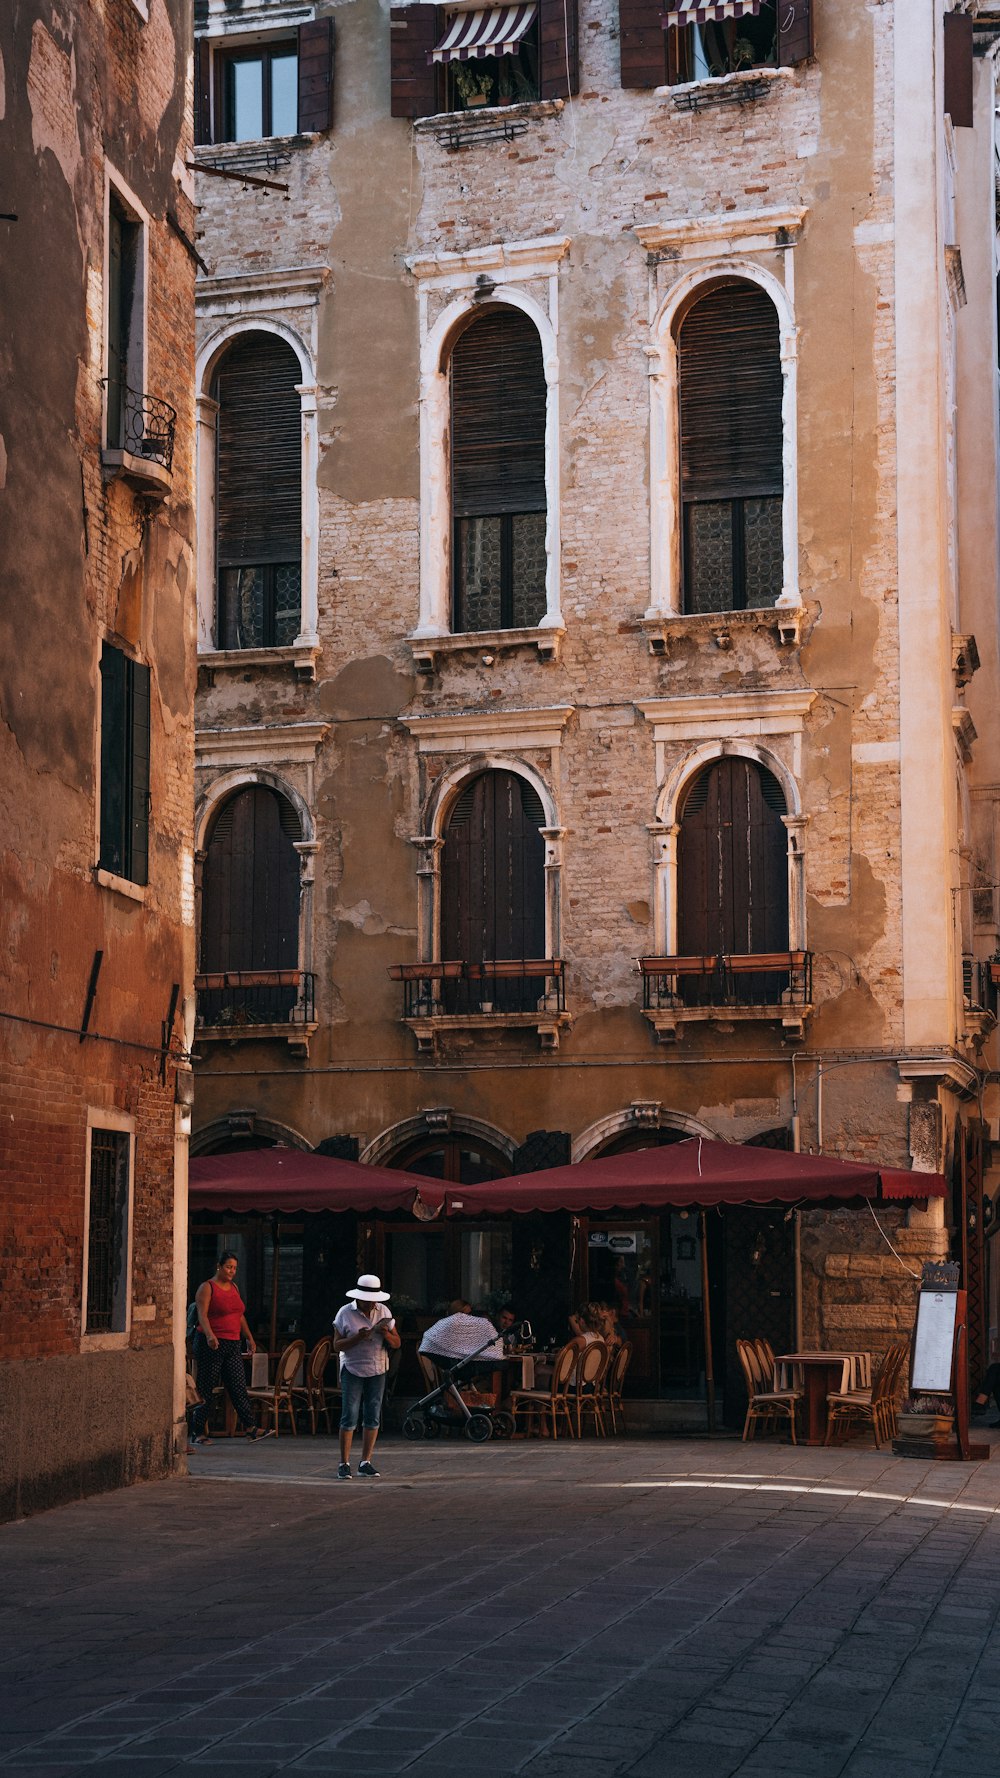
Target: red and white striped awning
pixel 707 12
pixel 497 31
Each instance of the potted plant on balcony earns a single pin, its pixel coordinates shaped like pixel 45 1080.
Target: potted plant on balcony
pixel 473 85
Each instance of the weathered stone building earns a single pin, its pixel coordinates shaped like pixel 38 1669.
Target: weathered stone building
pixel 96 738
pixel 620 550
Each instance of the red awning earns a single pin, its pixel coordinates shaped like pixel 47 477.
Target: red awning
pixel 291 1179
pixel 693 1174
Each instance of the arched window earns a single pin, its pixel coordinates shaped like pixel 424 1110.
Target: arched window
pixel 250 911
pixel 258 508
pixel 498 406
pixel 730 378
pixel 732 862
pixel 493 890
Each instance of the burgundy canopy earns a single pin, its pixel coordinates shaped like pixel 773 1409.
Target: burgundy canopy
pixel 290 1179
pixel 694 1173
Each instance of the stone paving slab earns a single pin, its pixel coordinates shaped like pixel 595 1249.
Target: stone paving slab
pixel 641 1608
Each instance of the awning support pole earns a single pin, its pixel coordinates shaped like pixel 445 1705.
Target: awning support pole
pixel 275 1262
pixel 707 1317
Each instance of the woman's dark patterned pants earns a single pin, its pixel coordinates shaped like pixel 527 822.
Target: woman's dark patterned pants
pixel 225 1365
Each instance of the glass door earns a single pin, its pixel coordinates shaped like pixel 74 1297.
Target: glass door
pixel 622 1271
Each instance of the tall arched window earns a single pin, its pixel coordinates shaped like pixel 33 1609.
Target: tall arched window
pixel 729 365
pixel 250 910
pixel 732 860
pixel 498 404
pixel 258 509
pixel 493 888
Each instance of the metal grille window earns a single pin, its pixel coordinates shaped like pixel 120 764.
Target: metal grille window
pixel 729 356
pixel 124 844
pixel 106 1307
pixel 259 494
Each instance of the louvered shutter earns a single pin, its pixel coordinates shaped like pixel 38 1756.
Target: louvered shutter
pixel 316 75
pixel 958 68
pixel 641 46
pixel 493 893
pixel 559 55
pixel 138 861
pixel 730 395
pixel 413 32
pixel 732 862
pixel 250 886
pixel 202 90
pixel 114 784
pixel 259 453
pixel 795 32
pixel 497 417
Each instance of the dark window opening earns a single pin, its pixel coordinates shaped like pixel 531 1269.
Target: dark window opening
pixel 495 80
pixel 259 92
pixel 493 893
pixel 250 911
pixel 106 1308
pixel 727 46
pixel 124 830
pixel 732 862
pixel 124 318
pixel 498 410
pixel 258 494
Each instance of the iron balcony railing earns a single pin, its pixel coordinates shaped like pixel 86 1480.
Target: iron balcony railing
pixel 141 424
pixel 239 998
pixel 500 985
pixel 766 978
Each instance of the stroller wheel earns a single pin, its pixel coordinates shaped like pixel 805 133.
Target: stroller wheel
pixel 503 1425
pixel 479 1428
pixel 413 1427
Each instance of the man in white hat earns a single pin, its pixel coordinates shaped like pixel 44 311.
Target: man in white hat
pixel 363 1331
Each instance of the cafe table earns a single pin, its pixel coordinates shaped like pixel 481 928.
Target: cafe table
pixel 819 1374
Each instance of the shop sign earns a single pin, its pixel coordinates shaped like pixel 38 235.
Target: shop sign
pixel 616 1241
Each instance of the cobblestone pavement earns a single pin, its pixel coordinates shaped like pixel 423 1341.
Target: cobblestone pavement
pixel 645 1607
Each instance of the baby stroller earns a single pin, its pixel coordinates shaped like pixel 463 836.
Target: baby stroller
pixel 446 1410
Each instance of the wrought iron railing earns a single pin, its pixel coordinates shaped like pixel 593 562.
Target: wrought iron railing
pixel 238 998
pixel 766 978
pixel 141 424
pixel 500 985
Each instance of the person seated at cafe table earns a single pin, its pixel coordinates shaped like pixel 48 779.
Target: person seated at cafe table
pixel 508 1327
pixel 594 1321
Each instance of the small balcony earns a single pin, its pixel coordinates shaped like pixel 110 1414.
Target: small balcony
pixel 140 433
pixel 727 989
pixel 514 993
pixel 979 997
pixel 233 1005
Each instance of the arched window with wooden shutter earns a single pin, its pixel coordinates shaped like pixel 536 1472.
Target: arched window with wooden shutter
pixel 250 907
pixel 732 864
pixel 498 502
pixel 493 883
pixel 730 391
pixel 258 493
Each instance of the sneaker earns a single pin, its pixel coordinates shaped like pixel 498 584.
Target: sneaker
pixel 344 1472
pixel 366 1468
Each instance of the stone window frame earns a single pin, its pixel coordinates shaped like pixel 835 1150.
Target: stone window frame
pixel 100 1117
pixel 499 272
pixel 285 305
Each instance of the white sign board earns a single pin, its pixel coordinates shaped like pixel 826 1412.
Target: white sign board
pixel 935 1340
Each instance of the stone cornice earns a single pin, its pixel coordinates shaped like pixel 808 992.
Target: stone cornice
pixel 479 731
pixel 509 259
pixel 734 713
pixel 696 237
pixel 286 744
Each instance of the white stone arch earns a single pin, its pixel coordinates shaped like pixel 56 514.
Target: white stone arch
pixel 244 1123
pixel 441 1122
pixel 597 1135
pixel 211 351
pixel 435 499
pixel 666 828
pixel 430 844
pixel 666 588
pixel 206 809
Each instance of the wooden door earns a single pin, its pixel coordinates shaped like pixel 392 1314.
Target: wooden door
pixel 250 893
pixel 493 883
pixel 732 869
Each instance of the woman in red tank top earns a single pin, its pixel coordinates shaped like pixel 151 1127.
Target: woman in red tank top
pixel 221 1323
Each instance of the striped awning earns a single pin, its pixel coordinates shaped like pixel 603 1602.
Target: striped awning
pixel 707 12
pixel 496 31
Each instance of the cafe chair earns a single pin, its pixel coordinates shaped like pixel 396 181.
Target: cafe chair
pixel 766 1404
pixel 312 1393
pixel 544 1407
pixel 431 1375
pixel 591 1369
pixel 614 1382
pixel 873 1408
pixel 280 1394
pixel 768 1368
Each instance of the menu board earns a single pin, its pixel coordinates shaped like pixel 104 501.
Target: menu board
pixel 934 1343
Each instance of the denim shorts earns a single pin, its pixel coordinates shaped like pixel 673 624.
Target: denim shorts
pixel 358 1393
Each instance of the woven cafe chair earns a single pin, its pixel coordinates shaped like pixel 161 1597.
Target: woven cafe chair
pixel 872 1408
pixel 312 1392
pixel 591 1369
pixel 614 1380
pixel 279 1394
pixel 765 1357
pixel 768 1405
pixel 541 1406
pixel 429 1371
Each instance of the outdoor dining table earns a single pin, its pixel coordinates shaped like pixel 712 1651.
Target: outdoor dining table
pixel 822 1374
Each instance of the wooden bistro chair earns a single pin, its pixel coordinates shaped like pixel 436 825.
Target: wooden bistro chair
pixel 312 1392
pixel 546 1405
pixel 874 1408
pixel 614 1382
pixel 591 1369
pixel 279 1394
pixel 766 1403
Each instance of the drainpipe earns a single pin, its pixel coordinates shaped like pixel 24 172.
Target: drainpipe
pixel 797 1219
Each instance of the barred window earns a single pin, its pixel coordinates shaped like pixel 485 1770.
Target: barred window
pixel 106 1306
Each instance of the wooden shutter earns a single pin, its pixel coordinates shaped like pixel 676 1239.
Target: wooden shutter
pixel 732 863
pixel 730 394
pixel 641 43
pixel 138 837
pixel 250 887
pixel 958 70
pixel 559 55
pixel 316 75
pixel 258 452
pixel 114 783
pixel 498 401
pixel 795 32
pixel 493 869
pixel 413 32
pixel 202 90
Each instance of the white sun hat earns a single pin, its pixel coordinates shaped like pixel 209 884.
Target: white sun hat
pixel 369 1289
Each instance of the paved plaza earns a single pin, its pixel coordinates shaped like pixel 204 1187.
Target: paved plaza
pixel 691 1607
